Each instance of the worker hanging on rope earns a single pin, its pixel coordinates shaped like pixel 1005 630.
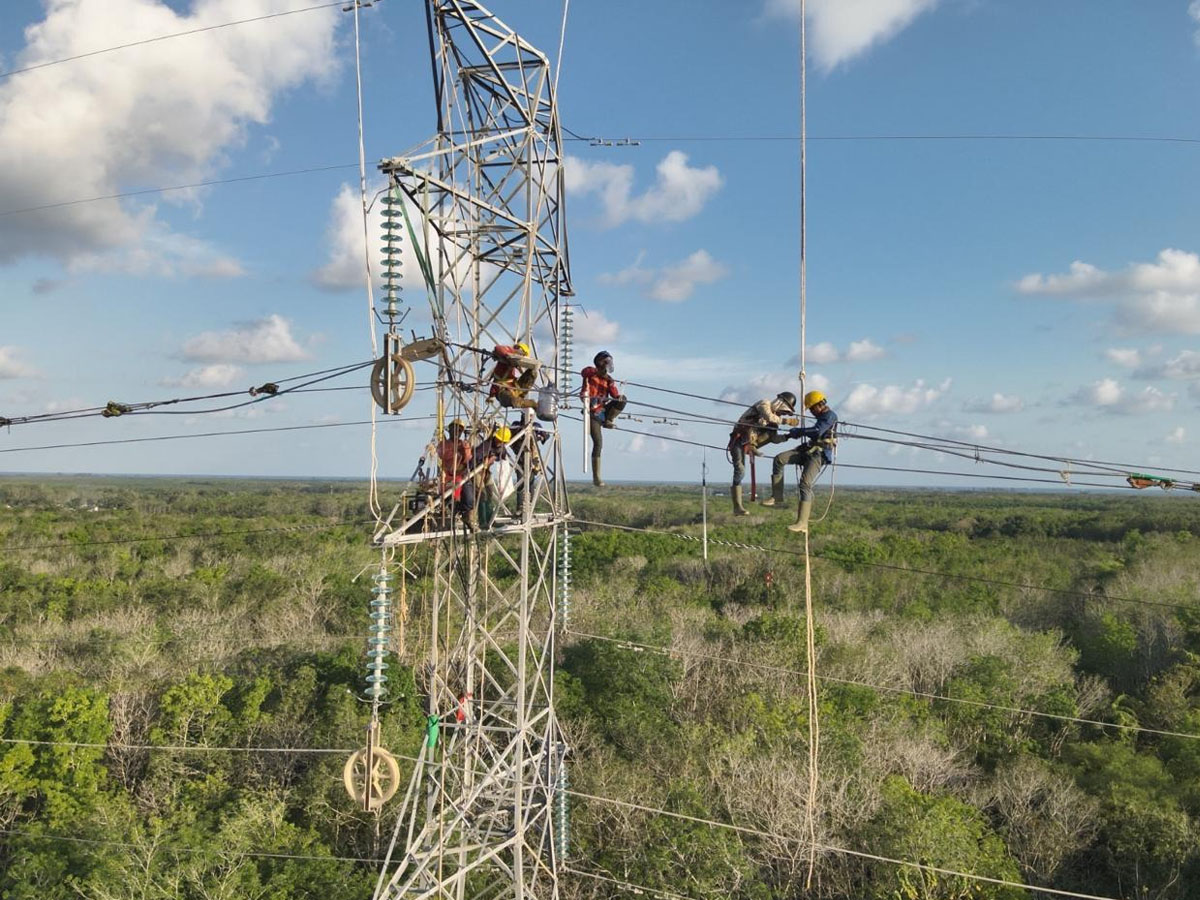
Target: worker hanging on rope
pixel 514 374
pixel 604 403
pixel 757 426
pixel 812 456
pixel 454 457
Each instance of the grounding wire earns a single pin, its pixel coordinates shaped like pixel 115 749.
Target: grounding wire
pixel 164 37
pixel 933 573
pixel 910 692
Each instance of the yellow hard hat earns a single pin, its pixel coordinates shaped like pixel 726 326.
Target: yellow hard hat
pixel 812 398
pixel 457 423
pixel 502 433
pixel 524 348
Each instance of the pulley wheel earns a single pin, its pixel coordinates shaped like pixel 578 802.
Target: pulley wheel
pixel 371 789
pixel 392 382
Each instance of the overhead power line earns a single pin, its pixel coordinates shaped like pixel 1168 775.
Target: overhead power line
pixel 910 692
pixel 975 579
pixel 176 187
pixel 267 391
pixel 629 140
pixel 206 434
pixel 160 848
pixel 165 37
pixel 177 748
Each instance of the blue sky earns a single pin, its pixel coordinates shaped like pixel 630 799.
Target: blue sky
pixel 1041 295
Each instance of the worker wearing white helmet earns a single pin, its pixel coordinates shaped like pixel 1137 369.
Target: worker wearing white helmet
pixel 813 455
pixel 757 426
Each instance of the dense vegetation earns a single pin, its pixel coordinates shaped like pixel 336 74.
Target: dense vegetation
pixel 141 617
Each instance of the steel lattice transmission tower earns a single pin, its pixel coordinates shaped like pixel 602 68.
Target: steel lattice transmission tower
pixel 483 203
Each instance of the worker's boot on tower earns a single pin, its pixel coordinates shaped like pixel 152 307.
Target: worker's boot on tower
pixel 776 498
pixel 736 494
pixel 597 481
pixel 801 524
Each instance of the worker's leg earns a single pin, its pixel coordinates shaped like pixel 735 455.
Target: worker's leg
pixel 738 455
pixel 808 477
pixel 612 409
pixel 782 461
pixel 597 437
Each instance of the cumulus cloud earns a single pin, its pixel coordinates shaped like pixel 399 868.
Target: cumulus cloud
pixel 679 192
pixel 843 29
pixel 772 383
pixel 593 327
pixel 1184 366
pixel 218 375
pixel 676 283
pixel 168 112
pixel 266 340
pixel 864 351
pixel 671 283
pixel 869 400
pixel 997 403
pixel 1176 436
pixel 1194 12
pixel 11 365
pixel 1108 395
pixel 1126 357
pixel 1162 296
pixel 822 354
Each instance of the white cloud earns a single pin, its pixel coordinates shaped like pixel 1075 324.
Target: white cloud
pixel 671 283
pixel 821 354
pixel 218 375
pixel 1103 393
pixel 676 283
pixel 1194 12
pixel 167 112
pixel 867 400
pixel 1176 436
pixel 679 192
pixel 267 340
pixel 11 366
pixel 1107 394
pixel 864 351
pixel 844 29
pixel 1184 366
pixel 970 432
pixel 1162 296
pixel 1127 357
pixel 593 327
pixel 772 383
pixel 998 403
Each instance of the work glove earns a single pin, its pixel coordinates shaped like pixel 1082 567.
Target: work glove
pixel 791 421
pixel 794 434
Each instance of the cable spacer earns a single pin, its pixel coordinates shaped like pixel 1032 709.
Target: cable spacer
pixel 270 388
pixel 113 409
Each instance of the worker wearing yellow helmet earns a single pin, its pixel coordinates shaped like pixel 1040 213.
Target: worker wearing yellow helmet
pixel 813 455
pixel 515 372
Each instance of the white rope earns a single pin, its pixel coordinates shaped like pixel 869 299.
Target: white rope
pixel 814 730
pixel 373 490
